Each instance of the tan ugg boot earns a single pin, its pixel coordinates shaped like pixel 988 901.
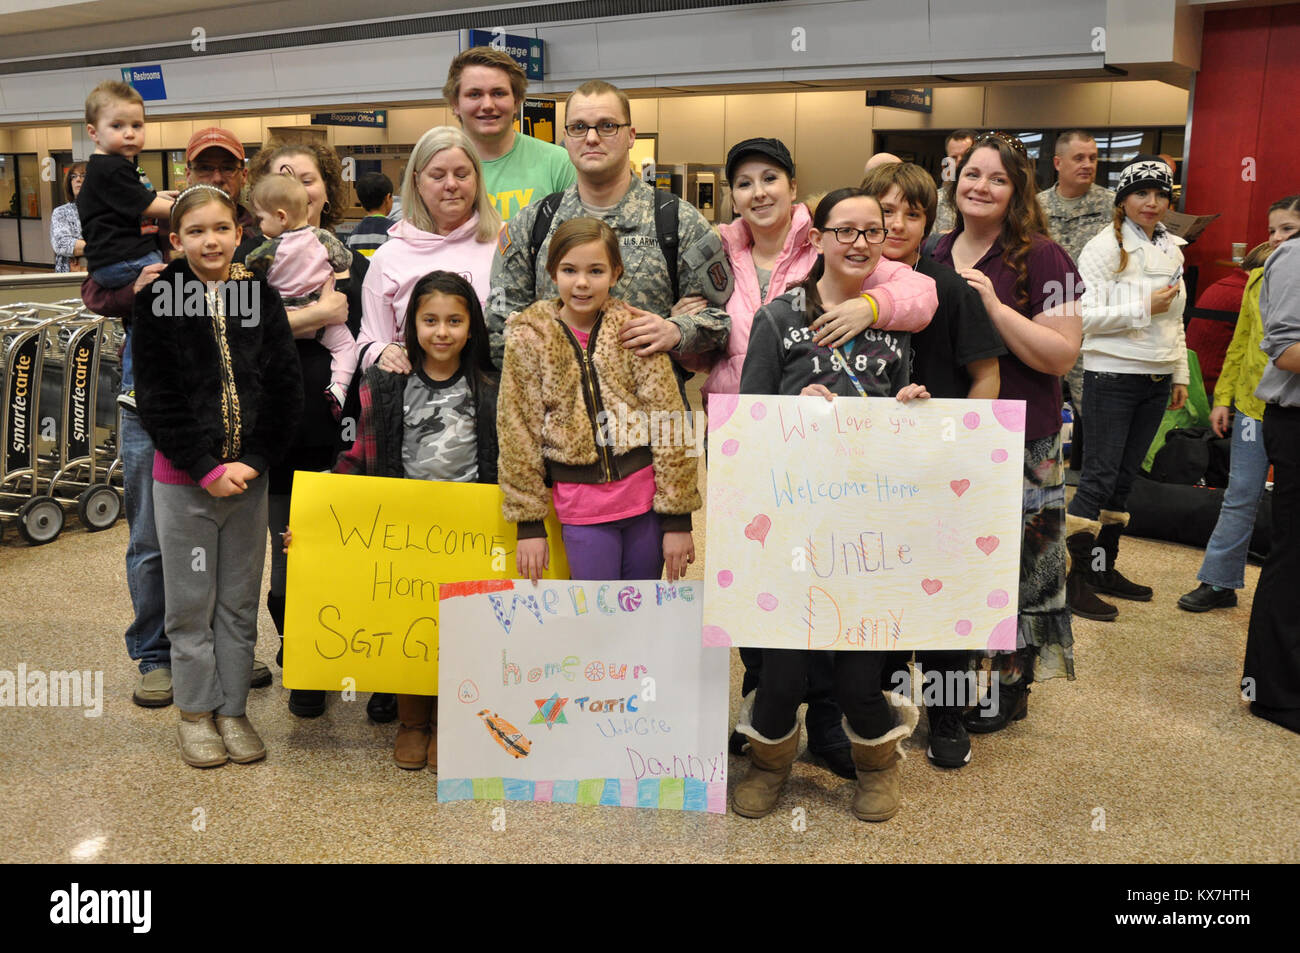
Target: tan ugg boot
pixel 411 749
pixel 877 762
pixel 770 763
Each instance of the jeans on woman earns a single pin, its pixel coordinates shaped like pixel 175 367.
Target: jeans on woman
pixel 1121 414
pixel 1225 556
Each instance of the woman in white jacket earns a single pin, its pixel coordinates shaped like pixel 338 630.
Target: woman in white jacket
pixel 1135 366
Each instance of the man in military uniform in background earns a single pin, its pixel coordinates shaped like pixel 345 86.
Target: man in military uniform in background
pixel 1077 208
pixel 954 147
pixel 599 137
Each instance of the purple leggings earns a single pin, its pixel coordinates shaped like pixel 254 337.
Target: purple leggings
pixel 631 548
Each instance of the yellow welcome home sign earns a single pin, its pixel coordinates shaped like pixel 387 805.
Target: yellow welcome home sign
pixel 367 557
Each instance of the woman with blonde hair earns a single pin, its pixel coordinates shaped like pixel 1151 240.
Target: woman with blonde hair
pixel 448 224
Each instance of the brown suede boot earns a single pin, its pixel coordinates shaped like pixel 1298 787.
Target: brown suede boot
pixel 770 763
pixel 433 737
pixel 411 749
pixel 877 760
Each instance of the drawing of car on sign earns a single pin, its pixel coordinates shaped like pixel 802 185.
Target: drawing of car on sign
pixel 506 734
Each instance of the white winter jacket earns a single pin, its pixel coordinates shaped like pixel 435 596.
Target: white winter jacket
pixel 1120 335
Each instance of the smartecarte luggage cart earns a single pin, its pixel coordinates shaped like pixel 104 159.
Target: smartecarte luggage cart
pixel 80 469
pixel 24 332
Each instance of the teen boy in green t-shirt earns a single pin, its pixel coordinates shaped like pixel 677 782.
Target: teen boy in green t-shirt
pixel 485 88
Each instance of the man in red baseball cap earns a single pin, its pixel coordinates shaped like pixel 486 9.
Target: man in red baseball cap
pixel 215 156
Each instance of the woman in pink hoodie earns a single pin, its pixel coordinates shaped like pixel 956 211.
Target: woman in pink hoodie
pixel 448 224
pixel 769 250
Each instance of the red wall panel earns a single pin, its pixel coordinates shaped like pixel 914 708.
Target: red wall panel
pixel 1246 106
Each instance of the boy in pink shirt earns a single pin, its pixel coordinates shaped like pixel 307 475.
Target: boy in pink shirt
pixel 297 261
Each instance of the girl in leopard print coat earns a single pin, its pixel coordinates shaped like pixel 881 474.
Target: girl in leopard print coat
pixel 606 430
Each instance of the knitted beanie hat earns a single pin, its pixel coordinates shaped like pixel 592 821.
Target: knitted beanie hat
pixel 1145 172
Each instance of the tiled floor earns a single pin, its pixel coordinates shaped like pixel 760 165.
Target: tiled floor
pixel 1148 756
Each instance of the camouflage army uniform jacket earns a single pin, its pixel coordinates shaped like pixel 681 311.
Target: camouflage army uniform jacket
pixel 1073 224
pixel 702 269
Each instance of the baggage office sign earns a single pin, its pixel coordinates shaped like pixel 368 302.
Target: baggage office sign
pixel 586 692
pixel 863 523
pixel 365 118
pixel 367 557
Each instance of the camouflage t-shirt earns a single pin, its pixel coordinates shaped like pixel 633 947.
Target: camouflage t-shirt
pixel 439 439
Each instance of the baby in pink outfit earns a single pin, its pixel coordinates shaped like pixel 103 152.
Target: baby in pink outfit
pixel 297 260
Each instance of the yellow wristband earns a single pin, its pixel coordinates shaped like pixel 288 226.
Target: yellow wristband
pixel 875 311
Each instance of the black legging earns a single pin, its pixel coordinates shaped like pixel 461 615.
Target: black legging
pixel 783 684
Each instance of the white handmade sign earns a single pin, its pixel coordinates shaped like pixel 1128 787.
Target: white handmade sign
pixel 580 692
pixel 863 523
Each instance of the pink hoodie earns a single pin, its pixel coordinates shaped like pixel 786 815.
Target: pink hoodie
pixel 912 295
pixel 407 256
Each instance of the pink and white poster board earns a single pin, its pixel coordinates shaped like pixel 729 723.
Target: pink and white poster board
pixel 863 523
pixel 580 693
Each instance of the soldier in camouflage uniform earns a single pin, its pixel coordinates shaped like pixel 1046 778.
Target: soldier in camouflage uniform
pixel 607 190
pixel 955 146
pixel 1077 208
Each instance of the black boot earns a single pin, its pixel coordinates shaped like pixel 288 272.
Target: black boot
pixel 1012 705
pixel 1011 700
pixel 382 708
pixel 1079 593
pixel 1110 580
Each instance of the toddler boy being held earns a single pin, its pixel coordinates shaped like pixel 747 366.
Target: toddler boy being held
pixel 113 198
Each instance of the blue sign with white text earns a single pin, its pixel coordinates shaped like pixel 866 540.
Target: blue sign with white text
pixel 527 51
pixel 146 80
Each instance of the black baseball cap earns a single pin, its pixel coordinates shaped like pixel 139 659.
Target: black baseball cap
pixel 773 149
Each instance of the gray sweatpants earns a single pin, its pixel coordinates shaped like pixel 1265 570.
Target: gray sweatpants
pixel 212 553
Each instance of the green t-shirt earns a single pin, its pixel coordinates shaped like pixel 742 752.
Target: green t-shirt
pixel 530 171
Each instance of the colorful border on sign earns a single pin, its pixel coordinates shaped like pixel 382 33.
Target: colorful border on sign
pixel 680 794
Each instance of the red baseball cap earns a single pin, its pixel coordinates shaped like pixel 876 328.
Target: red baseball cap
pixel 213 136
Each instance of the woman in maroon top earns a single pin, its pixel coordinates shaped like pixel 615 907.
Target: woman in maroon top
pixel 1029 287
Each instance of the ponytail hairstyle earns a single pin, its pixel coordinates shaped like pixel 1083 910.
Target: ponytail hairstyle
pixel 475 358
pixel 1118 221
pixel 1256 257
pixel 1024 216
pixel 821 215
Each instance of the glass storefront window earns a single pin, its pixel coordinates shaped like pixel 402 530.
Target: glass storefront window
pixel 8 187
pixel 29 179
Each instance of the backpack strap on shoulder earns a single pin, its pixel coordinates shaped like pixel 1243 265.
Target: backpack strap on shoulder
pixel 546 210
pixel 666 232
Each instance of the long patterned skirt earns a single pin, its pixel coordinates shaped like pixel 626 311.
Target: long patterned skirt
pixel 1044 639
